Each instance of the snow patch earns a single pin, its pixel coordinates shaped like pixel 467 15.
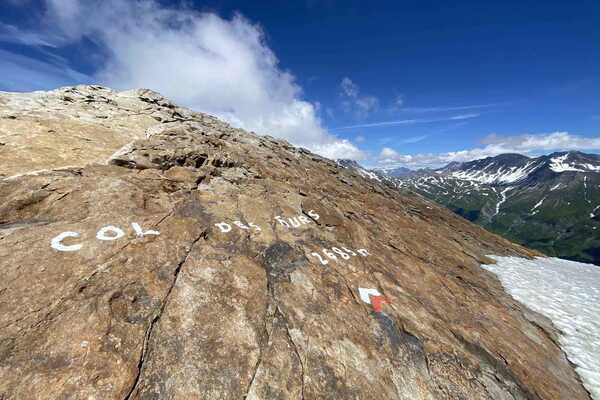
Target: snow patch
pixel 568 293
pixel 585 195
pixel 502 175
pixel 553 188
pixel 559 164
pixel 591 167
pixel 502 199
pixel 368 174
pixel 539 203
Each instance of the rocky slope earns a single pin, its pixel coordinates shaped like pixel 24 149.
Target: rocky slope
pixel 204 262
pixel 549 203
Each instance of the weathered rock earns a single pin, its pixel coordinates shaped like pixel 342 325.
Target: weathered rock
pixel 210 285
pixel 77 125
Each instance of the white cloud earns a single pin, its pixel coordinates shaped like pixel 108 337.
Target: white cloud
pixel 414 139
pixel 463 116
pixel 12 34
pixel 494 145
pixel 339 149
pixel 349 88
pixel 220 66
pixel 353 102
pixel 388 153
pixel 397 104
pixel 398 101
pixel 544 142
pixel 451 108
pixel 407 122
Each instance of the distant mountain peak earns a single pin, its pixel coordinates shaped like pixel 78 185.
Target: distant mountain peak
pixel 550 202
pixel 573 161
pixel 347 163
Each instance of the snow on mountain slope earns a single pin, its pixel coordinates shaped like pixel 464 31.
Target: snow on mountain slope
pixel 548 203
pixel 502 199
pixel 368 174
pixel 559 164
pixel 567 162
pixel 502 175
pixel 538 204
pixel 568 293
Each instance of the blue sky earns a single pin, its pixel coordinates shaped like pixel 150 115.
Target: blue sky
pixel 389 83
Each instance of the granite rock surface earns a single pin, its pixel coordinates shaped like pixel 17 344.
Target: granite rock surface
pixel 150 252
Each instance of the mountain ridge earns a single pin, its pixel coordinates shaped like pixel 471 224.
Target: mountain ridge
pixel 549 203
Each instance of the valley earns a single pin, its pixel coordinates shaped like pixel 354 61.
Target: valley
pixel 549 203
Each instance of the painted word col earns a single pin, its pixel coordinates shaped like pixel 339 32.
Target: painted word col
pixel 106 233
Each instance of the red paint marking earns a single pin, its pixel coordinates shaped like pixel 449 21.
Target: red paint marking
pixel 378 302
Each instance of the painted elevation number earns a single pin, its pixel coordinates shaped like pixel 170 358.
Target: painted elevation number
pixel 335 252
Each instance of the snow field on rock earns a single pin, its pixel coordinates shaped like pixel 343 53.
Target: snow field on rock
pixel 568 293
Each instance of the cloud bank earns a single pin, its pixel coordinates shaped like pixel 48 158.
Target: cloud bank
pixel 494 145
pixel 219 66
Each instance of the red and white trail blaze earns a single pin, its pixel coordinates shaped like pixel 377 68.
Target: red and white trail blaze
pixel 373 297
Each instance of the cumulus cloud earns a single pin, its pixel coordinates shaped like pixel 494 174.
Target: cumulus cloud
pixel 494 145
pixel 220 66
pixel 354 102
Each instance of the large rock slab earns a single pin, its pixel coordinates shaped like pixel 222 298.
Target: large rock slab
pixel 204 262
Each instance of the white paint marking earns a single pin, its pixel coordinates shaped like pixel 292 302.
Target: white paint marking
pixel 57 245
pixel 366 293
pixel 103 233
pixel 321 259
pixel 282 221
pixel 224 227
pixel 313 214
pixel 304 219
pixel 140 232
pixel 256 227
pixel 240 225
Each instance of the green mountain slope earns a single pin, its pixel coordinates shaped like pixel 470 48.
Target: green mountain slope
pixel 550 203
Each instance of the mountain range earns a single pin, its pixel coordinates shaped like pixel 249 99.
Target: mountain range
pixel 550 203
